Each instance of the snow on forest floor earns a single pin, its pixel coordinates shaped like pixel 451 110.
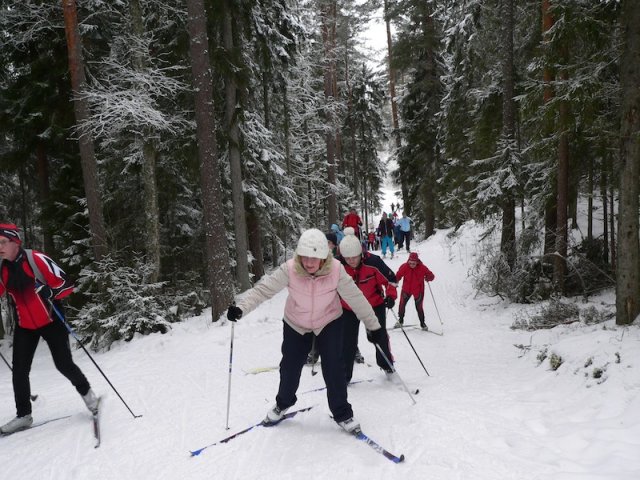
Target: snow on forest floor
pixel 492 407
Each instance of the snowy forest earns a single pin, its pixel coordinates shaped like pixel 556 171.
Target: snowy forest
pixel 168 153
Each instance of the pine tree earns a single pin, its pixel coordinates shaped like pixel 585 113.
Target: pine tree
pixel 628 271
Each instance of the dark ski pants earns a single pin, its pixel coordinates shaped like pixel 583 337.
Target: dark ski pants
pixel 25 343
pixel 351 330
pixel 295 348
pixel 404 298
pixel 406 236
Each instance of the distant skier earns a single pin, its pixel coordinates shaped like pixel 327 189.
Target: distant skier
pixel 339 235
pixel 385 230
pixel 414 273
pixel 352 219
pixel 405 223
pixel 316 282
pixel 371 240
pixel 378 284
pixel 32 304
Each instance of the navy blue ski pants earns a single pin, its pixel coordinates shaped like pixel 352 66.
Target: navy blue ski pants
pixel 295 348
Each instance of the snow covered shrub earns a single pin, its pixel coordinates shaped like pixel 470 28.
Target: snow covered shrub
pixel 188 295
pixel 542 356
pixel 591 315
pixel 550 315
pixel 121 303
pixel 525 283
pixel 555 361
pixel 587 271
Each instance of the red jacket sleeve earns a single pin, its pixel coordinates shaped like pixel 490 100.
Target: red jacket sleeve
pixel 401 272
pixel 428 274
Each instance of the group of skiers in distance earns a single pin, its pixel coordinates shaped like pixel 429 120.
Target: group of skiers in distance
pixel 334 283
pixel 393 231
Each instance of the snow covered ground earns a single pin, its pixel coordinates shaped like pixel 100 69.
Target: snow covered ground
pixel 488 410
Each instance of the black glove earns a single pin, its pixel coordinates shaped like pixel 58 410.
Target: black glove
pixel 234 313
pixel 389 302
pixel 377 336
pixel 44 291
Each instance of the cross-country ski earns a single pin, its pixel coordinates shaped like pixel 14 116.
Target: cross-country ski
pixel 249 428
pixel 95 420
pixel 36 425
pixel 359 434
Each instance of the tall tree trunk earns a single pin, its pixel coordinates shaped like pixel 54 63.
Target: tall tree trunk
pixel 560 263
pixel 574 191
pixel 26 224
pixel 286 125
pixel 551 222
pixel 560 267
pixel 394 107
pixel 85 141
pixel 235 163
pixel 612 228
pixel 151 209
pixel 430 201
pixel 329 18
pixel 42 168
pixel 590 198
pixel 508 240
pixel 605 213
pixel 217 255
pixel 255 243
pixel 149 158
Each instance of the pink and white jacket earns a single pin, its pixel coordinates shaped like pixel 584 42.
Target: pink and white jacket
pixel 313 300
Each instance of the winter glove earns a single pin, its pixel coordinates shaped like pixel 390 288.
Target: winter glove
pixel 389 302
pixel 377 336
pixel 44 291
pixel 234 313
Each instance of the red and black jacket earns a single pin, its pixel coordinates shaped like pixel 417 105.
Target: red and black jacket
pixel 34 312
pixel 371 276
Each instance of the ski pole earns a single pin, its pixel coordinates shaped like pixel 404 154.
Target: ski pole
pixel 396 372
pixel 33 397
pixel 412 348
pixel 434 304
pixel 73 334
pixel 230 369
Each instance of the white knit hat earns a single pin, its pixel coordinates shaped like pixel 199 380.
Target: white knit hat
pixel 350 246
pixel 313 243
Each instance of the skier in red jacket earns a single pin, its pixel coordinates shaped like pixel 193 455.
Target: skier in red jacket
pixel 378 284
pixel 415 273
pixel 352 219
pixel 33 302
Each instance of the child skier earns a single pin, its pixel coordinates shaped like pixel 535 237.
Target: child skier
pixel 415 273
